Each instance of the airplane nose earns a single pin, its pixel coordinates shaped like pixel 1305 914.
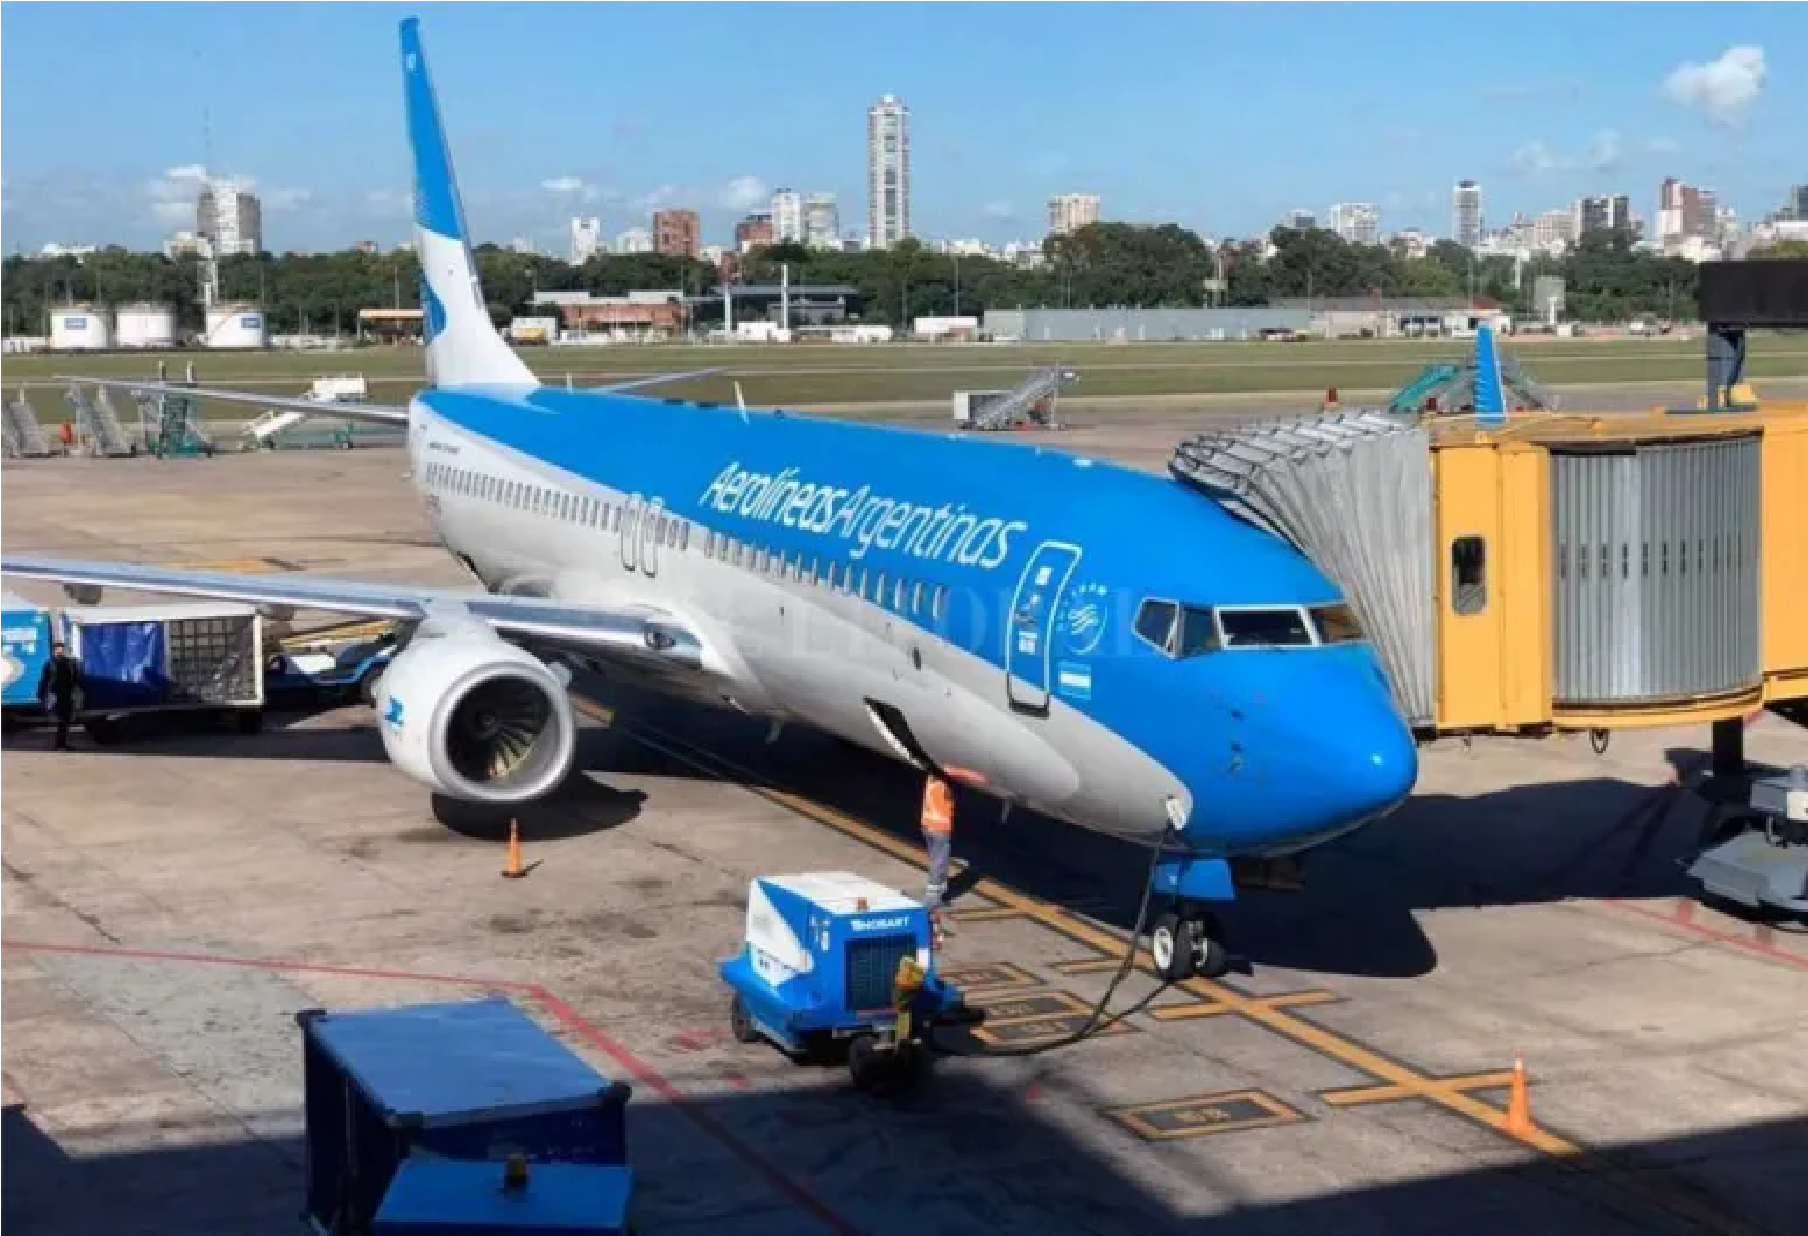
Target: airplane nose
pixel 1380 765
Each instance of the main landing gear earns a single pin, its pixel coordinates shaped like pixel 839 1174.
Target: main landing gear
pixel 1187 942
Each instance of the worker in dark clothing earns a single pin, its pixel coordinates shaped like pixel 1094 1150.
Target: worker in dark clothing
pixel 59 689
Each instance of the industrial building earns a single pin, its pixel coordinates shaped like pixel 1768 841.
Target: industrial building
pixel 799 304
pixel 1140 325
pixel 1388 317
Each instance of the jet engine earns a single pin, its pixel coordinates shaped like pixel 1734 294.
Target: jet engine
pixel 474 717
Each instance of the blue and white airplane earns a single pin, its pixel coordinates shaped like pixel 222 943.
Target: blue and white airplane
pixel 1105 646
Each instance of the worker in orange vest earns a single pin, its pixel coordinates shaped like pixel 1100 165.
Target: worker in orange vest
pixel 938 839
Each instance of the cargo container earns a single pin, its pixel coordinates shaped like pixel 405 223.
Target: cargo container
pixel 473 1080
pixel 203 656
pixel 25 632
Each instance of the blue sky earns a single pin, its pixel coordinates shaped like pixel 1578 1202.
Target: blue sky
pixel 1218 116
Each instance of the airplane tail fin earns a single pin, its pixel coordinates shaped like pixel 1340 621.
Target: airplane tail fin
pixel 463 348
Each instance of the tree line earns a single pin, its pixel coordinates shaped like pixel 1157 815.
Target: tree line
pixel 1104 265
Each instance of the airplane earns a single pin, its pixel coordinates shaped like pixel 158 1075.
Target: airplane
pixel 1105 646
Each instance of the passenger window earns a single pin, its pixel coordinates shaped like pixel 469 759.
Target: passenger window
pixel 1155 623
pixel 940 605
pixel 897 596
pixel 879 588
pixel 916 598
pixel 1336 624
pixel 684 536
pixel 1469 575
pixel 1281 627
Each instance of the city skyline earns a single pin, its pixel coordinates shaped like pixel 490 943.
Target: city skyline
pixel 1684 102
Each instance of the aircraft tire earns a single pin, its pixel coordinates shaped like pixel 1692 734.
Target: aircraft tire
pixel 739 1023
pixel 1173 946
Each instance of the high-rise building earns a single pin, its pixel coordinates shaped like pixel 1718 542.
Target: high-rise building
pixel 788 216
pixel 1068 212
pixel 230 217
pixel 822 221
pixel 586 239
pixel 887 172
pixel 1466 213
pixel 634 240
pixel 1795 205
pixel 1684 211
pixel 1601 214
pixel 677 233
pixel 1301 220
pixel 1554 230
pixel 754 230
pixel 1359 223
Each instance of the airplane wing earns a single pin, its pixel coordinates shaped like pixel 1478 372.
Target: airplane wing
pixel 369 413
pixel 657 379
pixel 644 631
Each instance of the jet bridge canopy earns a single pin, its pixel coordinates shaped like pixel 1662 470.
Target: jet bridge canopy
pixel 1552 571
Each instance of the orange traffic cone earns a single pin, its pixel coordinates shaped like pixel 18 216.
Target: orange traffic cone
pixel 514 870
pixel 1519 1108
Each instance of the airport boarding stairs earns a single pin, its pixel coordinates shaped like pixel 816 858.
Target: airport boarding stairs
pixel 170 426
pixel 25 438
pixel 97 427
pixel 1030 402
pixel 1488 383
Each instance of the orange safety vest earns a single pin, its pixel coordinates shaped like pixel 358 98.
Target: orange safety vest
pixel 938 807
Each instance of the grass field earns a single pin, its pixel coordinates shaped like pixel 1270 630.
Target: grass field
pixel 802 376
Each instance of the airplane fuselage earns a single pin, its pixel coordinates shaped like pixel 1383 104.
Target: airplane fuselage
pixel 995 608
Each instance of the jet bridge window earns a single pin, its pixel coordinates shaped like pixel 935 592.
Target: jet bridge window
pixel 1469 575
pixel 1276 627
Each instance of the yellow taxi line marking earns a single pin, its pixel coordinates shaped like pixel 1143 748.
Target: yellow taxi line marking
pixel 1211 1008
pixel 1356 1096
pixel 986 914
pixel 1256 1009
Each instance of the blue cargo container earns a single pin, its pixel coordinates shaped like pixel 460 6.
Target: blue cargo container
pixel 25 632
pixel 438 1197
pixel 474 1080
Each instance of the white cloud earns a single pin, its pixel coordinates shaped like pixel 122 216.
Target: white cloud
pixel 286 199
pixel 661 196
pixel 998 210
pixel 744 193
pixel 1661 145
pixel 1606 151
pixel 1721 89
pixel 188 171
pixel 1536 159
pixel 563 184
pixel 392 202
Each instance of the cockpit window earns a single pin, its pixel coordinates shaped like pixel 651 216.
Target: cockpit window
pixel 1337 624
pixel 1178 630
pixel 1155 623
pixel 1198 633
pixel 1265 628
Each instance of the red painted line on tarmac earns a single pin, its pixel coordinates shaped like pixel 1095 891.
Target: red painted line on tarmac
pixel 1670 918
pixel 556 1007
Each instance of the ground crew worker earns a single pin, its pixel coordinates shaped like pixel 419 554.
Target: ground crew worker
pixel 59 688
pixel 938 839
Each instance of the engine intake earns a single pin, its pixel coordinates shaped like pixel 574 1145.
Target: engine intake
pixel 476 718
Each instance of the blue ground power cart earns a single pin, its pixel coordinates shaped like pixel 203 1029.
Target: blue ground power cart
pixel 833 960
pixel 477 1081
pixel 26 631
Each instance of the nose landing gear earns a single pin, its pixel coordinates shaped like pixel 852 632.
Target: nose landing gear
pixel 1186 942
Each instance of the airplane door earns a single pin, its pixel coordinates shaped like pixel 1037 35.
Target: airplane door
pixel 651 526
pixel 1030 626
pixel 630 533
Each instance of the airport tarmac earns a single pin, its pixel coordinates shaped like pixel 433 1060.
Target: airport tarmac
pixel 171 904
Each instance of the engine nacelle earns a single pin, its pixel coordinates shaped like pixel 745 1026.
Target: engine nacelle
pixel 475 717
